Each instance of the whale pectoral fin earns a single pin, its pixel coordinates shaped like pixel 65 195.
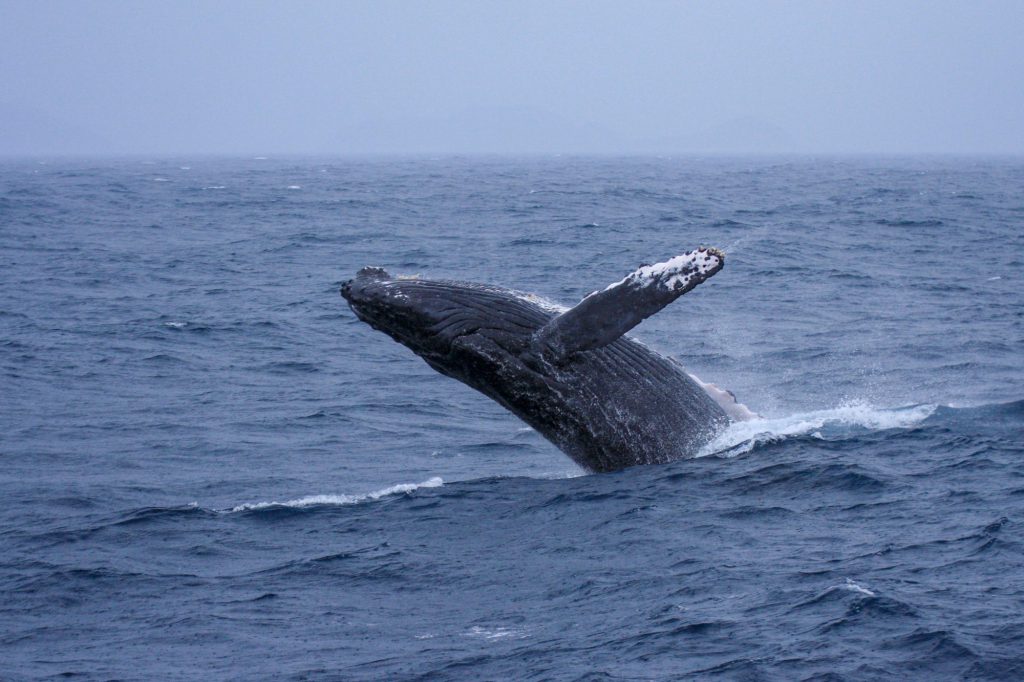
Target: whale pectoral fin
pixel 604 316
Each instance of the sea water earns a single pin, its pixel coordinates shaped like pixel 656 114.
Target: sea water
pixel 209 468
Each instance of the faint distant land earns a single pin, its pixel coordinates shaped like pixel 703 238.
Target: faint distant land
pixel 526 130
pixel 488 130
pixel 746 135
pixel 25 131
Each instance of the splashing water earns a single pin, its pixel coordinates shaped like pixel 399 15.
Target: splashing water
pixel 836 423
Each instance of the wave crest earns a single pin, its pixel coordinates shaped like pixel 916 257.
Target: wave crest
pixel 320 500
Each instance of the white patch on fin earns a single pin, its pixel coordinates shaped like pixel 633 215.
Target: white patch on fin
pixel 727 401
pixel 675 272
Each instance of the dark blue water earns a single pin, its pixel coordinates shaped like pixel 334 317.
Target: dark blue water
pixel 210 469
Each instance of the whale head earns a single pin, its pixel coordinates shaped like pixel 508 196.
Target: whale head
pixel 437 319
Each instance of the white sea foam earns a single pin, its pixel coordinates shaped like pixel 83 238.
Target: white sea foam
pixel 294 186
pixel 214 187
pixel 313 500
pixel 851 586
pixel 496 633
pixel 744 436
pixel 562 474
pixel 176 325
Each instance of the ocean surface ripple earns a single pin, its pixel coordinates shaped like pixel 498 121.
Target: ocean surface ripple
pixel 211 469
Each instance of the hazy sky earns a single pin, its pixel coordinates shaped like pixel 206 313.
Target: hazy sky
pixel 427 77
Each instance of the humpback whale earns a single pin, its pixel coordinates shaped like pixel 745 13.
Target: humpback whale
pixel 604 399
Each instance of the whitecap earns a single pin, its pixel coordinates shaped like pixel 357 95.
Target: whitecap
pixel 315 500
pixel 176 325
pixel 743 436
pixel 496 633
pixel 851 586
pixel 562 474
pixel 294 186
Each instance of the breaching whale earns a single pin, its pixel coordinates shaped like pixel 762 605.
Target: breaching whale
pixel 604 399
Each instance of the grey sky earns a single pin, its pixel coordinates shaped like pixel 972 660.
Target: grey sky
pixel 550 77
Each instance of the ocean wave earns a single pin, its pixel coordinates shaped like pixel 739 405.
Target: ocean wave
pixel 262 387
pixel 835 423
pixel 331 500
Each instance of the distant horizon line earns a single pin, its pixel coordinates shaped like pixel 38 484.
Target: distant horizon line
pixel 269 156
